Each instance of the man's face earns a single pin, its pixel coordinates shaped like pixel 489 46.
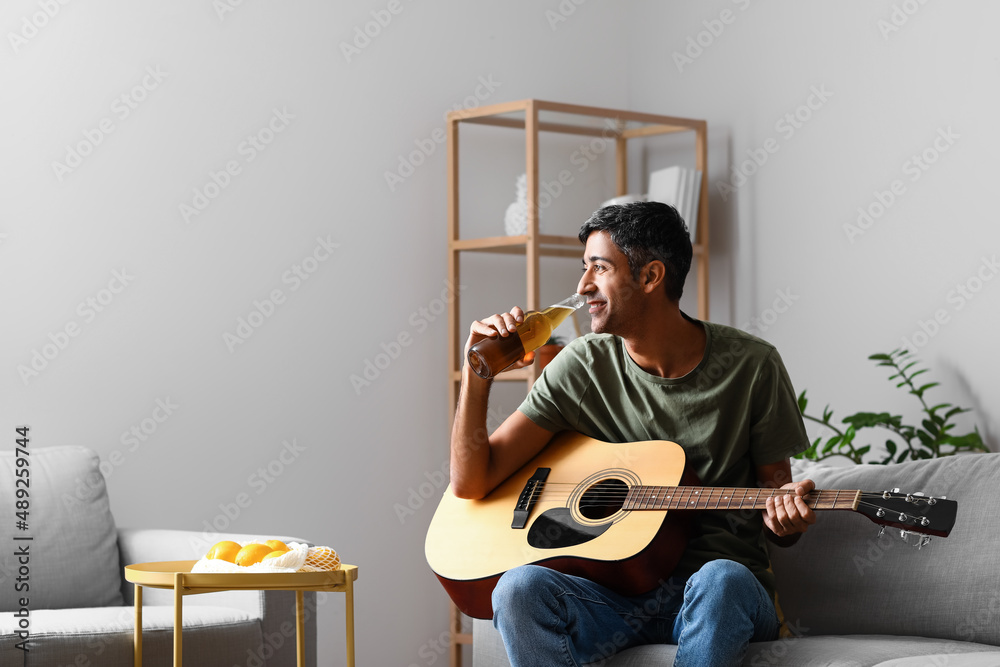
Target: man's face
pixel 608 285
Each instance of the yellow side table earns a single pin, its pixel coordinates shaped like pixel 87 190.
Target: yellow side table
pixel 177 575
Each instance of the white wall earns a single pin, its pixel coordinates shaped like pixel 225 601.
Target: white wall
pixel 896 78
pixel 160 337
pixel 160 333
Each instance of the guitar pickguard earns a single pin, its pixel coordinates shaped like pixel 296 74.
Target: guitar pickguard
pixel 556 529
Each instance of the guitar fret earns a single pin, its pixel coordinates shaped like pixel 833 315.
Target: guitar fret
pixel 725 494
pixel 637 497
pixel 744 498
pixel 657 497
pixel 629 499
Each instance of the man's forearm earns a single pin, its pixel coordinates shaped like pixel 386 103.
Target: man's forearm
pixel 470 442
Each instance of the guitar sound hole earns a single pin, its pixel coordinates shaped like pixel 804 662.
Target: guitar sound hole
pixel 603 499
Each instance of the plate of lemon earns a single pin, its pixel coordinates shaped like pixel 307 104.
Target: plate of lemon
pixel 267 556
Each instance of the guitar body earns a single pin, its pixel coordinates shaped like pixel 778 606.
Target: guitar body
pixel 577 526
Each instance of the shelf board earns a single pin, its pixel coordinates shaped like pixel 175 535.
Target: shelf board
pixel 548 245
pixel 576 119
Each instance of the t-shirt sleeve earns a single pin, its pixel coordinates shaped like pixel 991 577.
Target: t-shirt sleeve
pixel 554 400
pixel 776 429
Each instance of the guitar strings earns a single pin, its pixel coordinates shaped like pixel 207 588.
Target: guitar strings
pixel 598 496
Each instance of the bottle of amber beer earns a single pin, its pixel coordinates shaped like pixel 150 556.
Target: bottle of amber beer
pixel 490 356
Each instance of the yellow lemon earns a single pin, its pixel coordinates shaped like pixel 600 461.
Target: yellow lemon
pixel 275 554
pixel 276 545
pixel 252 553
pixel 225 550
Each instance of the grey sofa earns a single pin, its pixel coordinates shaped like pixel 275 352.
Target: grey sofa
pixel 852 599
pixel 79 606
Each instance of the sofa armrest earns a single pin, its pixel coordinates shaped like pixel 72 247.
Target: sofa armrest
pixel 274 609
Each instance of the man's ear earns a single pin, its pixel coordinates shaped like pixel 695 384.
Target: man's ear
pixel 652 276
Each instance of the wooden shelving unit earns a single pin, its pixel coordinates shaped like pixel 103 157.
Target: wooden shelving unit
pixel 533 117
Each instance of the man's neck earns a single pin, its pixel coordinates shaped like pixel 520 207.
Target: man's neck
pixel 669 345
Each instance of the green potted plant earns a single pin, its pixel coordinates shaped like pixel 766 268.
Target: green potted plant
pixel 933 438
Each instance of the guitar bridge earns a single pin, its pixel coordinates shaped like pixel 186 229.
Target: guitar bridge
pixel 528 497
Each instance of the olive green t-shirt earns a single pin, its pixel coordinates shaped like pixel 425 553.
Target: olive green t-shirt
pixel 736 410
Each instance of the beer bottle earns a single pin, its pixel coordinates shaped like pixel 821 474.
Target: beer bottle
pixel 490 356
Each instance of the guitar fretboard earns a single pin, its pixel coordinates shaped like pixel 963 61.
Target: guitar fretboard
pixel 728 498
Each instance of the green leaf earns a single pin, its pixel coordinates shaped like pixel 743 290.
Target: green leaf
pixel 921 390
pixel 880 357
pixel 803 402
pixel 969 441
pixel 890 446
pixel 835 440
pixel 862 420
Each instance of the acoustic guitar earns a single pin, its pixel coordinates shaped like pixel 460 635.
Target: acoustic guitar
pixel 606 512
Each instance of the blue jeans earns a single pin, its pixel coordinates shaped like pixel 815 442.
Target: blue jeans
pixel 548 618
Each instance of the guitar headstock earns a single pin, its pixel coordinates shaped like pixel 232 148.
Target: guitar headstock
pixel 912 513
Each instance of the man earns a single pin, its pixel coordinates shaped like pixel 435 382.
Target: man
pixel 647 372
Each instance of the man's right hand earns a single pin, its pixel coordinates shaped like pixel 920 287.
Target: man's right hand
pixel 501 324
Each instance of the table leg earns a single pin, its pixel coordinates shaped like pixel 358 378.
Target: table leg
pixel 349 605
pixel 137 632
pixel 178 617
pixel 300 630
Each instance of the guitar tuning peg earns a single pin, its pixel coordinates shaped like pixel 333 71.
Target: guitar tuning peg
pixel 896 490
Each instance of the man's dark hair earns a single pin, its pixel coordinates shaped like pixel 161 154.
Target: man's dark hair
pixel 645 231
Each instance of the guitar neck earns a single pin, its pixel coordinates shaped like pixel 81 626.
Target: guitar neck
pixel 729 498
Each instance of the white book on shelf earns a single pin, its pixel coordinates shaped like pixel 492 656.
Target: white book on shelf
pixel 679 187
pixel 664 185
pixel 694 196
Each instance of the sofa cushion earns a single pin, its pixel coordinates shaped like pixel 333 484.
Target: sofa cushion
pixel 73 553
pixel 833 651
pixel 988 659
pixel 104 636
pixel 840 578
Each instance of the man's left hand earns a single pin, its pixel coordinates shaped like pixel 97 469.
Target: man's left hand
pixel 788 514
